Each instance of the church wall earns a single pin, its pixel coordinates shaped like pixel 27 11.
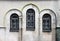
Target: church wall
pixel 5 6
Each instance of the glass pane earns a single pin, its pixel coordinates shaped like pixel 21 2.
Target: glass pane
pixel 30 20
pixel 14 23
pixel 46 23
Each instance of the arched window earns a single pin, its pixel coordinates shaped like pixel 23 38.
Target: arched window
pixel 30 20
pixel 14 23
pixel 46 23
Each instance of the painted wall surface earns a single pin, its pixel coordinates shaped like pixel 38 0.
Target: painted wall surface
pixel 5 6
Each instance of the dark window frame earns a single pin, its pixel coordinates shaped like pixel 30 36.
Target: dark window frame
pixel 14 23
pixel 46 23
pixel 30 20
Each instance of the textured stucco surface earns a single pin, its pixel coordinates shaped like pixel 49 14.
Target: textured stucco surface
pixel 37 35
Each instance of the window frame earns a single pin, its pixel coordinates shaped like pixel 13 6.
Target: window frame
pixel 12 29
pixel 44 29
pixel 31 28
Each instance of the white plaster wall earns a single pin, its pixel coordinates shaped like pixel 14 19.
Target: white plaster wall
pixel 48 36
pixel 5 6
pixel 31 35
pixel 12 36
pixel 2 34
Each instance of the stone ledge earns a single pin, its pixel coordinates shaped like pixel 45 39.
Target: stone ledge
pixel 2 27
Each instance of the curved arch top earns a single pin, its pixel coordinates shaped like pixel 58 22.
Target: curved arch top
pixel 52 25
pixel 51 13
pixel 36 16
pixel 18 12
pixel 30 6
pixel 9 13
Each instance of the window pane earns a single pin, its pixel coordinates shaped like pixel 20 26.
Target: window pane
pixel 46 23
pixel 30 20
pixel 14 23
